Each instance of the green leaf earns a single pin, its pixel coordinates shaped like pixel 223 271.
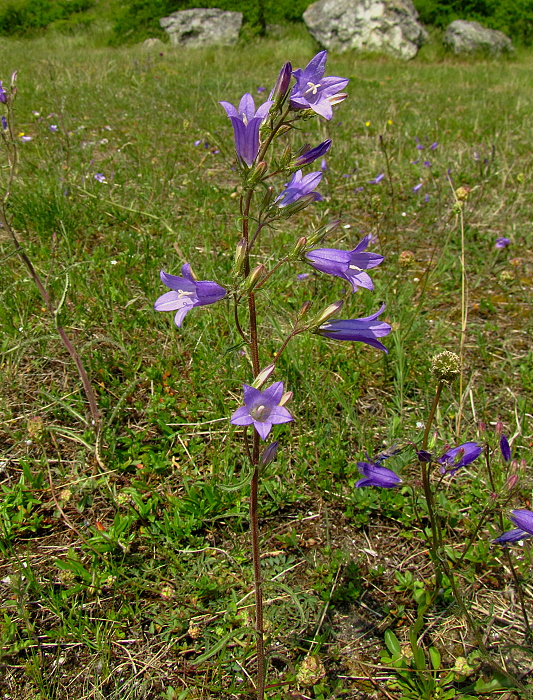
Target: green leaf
pixel 392 642
pixel 435 658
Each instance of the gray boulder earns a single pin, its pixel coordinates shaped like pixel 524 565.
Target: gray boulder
pixel 385 26
pixel 202 27
pixel 470 37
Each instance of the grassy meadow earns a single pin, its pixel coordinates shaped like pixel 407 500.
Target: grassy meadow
pixel 129 576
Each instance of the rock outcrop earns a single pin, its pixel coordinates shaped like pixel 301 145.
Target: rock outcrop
pixel 202 27
pixel 464 37
pixel 384 26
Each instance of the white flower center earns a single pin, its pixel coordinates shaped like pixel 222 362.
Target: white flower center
pixel 260 413
pixel 313 89
pixel 182 293
pixel 354 267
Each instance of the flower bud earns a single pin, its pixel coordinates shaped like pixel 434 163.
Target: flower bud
pixel 269 455
pixel 283 129
pixel 318 236
pixel 257 173
pixel 14 79
pixel 308 155
pixel 499 428
pixel 482 427
pixel 297 206
pixel 267 199
pixel 287 396
pixel 511 482
pixel 299 248
pixel 305 308
pixel 240 256
pixel 446 366
pixel 285 157
pixel 263 376
pixel 281 87
pixel 328 312
pixel 338 98
pixel 424 456
pixel 253 278
pixel 462 193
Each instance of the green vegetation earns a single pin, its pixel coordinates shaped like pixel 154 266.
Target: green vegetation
pixel 128 575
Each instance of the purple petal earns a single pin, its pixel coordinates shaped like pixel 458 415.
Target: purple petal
pixel 247 107
pixel 181 313
pixel 272 395
pixel 178 284
pixel 251 395
pixel 279 414
pixel 505 449
pixel 323 108
pixel 523 519
pixel 230 109
pixel 263 428
pixel 241 417
pixel 170 301
pixel 511 536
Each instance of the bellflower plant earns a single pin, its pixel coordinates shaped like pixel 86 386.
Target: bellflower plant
pixel 257 135
pixel 458 457
pixel 376 475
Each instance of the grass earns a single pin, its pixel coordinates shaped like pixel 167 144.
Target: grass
pixel 116 580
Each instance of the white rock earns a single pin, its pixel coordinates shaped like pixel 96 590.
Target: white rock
pixel 469 37
pixel 202 27
pixel 384 26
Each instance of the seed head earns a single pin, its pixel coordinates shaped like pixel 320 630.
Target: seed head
pixel 446 366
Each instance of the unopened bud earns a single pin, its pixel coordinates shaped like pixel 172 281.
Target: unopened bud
pixel 240 256
pixel 446 366
pixel 257 173
pixel 283 129
pixel 263 376
pixel 297 206
pixel 499 428
pixel 267 199
pixel 511 482
pixel 253 278
pixel 300 246
pixel 523 464
pixel 337 99
pixel 328 312
pixel 482 427
pixel 287 396
pixel 309 155
pixel 318 236
pixel 285 157
pixel 269 455
pixel 281 87
pixel 305 308
pixel 14 78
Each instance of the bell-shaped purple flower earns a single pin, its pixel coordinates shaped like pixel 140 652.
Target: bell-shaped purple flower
pixel 262 409
pixel 313 91
pixel 505 448
pixel 3 94
pixel 299 186
pixel 346 264
pixel 376 475
pixel 187 293
pixel 458 457
pixel 281 87
pixel 246 122
pixel 524 520
pixel 502 242
pixel 312 154
pixel 362 330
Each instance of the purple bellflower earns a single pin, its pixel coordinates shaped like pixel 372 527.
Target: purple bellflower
pixel 458 457
pixel 505 449
pixel 524 520
pixel 262 409
pixel 312 154
pixel 246 122
pixel 187 293
pixel 313 91
pixel 376 475
pixel 502 242
pixel 379 177
pixel 299 186
pixel 4 123
pixel 363 330
pixel 349 265
pixel 3 94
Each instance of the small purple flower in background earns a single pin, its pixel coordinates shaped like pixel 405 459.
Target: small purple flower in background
pixel 415 162
pixel 246 122
pixel 4 123
pixel 323 165
pixel 303 276
pixel 24 138
pixel 458 457
pixel 346 264
pixel 261 89
pixel 53 127
pixel 502 242
pixel 100 177
pixel 524 520
pixel 298 187
pixel 313 91
pixel 419 146
pixel 187 293
pixel 433 145
pixel 377 179
pixel 3 94
pixel 416 188
pixel 312 154
pixel 362 330
pixel 426 198
pixel 262 409
pixel 427 164
pixel 505 449
pixel 376 475
pixel 359 189
pixel 198 142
